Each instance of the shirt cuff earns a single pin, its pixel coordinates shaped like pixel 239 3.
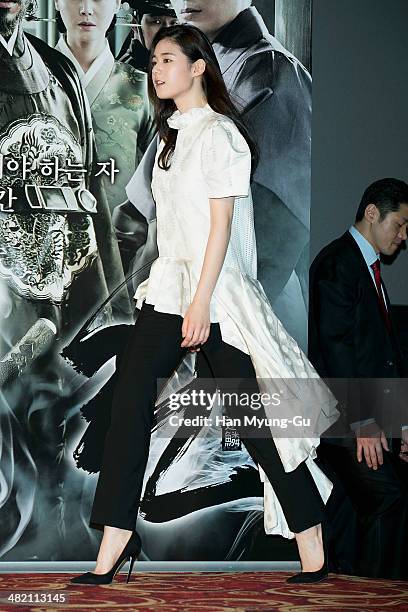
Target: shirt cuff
pixel 357 424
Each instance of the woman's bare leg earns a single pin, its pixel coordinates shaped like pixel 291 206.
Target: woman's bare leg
pixel 310 546
pixel 113 542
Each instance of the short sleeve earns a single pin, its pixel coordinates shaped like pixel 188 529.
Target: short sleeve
pixel 226 161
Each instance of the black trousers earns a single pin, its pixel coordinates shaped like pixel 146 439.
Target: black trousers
pixel 380 500
pixel 154 352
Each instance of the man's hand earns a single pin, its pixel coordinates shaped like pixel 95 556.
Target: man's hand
pixel 404 446
pixel 370 441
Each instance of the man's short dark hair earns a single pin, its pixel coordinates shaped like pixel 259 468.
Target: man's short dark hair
pixel 387 194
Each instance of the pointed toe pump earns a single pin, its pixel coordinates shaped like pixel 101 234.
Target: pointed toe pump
pixel 129 553
pixel 320 574
pixel 309 577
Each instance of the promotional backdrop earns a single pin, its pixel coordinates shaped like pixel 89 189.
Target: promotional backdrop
pixel 203 497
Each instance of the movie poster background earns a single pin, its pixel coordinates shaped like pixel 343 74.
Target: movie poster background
pixel 202 502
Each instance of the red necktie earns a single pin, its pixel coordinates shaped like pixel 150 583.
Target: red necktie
pixel 377 276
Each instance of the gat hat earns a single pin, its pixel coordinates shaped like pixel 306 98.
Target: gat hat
pixel 153 7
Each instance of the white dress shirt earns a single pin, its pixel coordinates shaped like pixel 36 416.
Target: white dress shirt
pixel 369 254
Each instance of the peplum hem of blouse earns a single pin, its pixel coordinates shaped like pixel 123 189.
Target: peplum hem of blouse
pixel 168 286
pixel 171 287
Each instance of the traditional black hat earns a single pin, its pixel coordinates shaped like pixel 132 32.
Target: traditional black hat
pixel 153 7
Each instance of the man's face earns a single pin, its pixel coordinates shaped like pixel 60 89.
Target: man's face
pixel 87 20
pixel 208 15
pixel 11 13
pixel 389 233
pixel 151 24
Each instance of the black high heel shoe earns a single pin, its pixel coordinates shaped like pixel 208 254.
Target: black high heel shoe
pixel 130 552
pixel 323 572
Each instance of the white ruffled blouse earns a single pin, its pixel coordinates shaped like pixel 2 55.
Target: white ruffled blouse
pixel 212 160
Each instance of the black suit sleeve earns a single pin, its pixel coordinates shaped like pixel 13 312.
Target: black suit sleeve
pixel 334 303
pixel 335 298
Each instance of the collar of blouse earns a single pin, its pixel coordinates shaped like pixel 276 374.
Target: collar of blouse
pixel 180 120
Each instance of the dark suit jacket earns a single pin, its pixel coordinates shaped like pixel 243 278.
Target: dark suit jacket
pixel 273 90
pixel 348 338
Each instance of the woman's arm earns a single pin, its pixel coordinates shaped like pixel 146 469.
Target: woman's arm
pixel 196 324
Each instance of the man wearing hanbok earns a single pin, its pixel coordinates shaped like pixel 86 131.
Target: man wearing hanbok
pixel 59 260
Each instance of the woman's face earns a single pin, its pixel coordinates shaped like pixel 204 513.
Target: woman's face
pixel 87 19
pixel 151 24
pixel 172 73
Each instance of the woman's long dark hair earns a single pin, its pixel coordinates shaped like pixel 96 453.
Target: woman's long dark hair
pixel 195 45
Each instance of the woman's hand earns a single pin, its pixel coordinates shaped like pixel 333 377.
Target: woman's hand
pixel 196 325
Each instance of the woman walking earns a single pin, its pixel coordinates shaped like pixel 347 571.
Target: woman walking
pixel 202 295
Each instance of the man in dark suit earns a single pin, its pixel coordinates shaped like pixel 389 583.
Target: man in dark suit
pixel 352 339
